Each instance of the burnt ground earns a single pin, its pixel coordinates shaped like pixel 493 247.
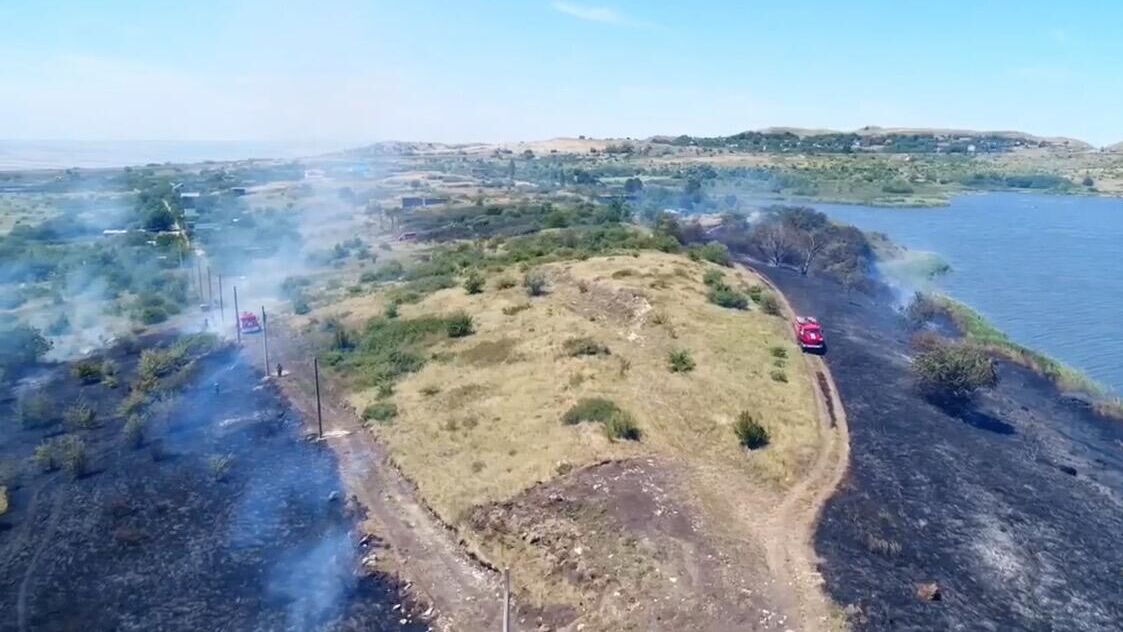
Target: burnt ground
pixel 626 552
pixel 146 542
pixel 1015 509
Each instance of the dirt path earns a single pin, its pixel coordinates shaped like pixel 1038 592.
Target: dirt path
pixel 462 594
pixel 789 529
pixel 44 539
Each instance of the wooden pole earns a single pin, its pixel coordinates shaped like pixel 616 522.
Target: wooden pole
pixel 210 290
pixel 237 317
pixel 221 306
pixel 506 600
pixel 319 413
pixel 199 270
pixel 265 339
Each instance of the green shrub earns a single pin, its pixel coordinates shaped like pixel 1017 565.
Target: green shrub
pixel 369 276
pixel 79 415
pixel 381 412
pixel 596 409
pixel 778 375
pixel 584 346
pixel 535 283
pixel 622 427
pixel 459 325
pixel 755 292
pixel 474 283
pixel 429 391
pixel 46 456
pixel 680 361
pixel 385 389
pixel 87 371
pixel 714 278
pixel 72 457
pixel 728 298
pixel 769 304
pixel 714 252
pixel 778 352
pixel 36 410
pixel 391 310
pixel 504 283
pixel 749 433
pixel 134 430
pixel 949 373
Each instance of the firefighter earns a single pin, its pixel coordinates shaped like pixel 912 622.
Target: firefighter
pixel 278 369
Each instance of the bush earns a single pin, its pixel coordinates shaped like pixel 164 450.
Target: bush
pixel 749 433
pixel 79 415
pixel 535 283
pixel 949 373
pixel 778 352
pixel 87 371
pixel 504 283
pixel 71 453
pixel 381 412
pixel 714 278
pixel 921 310
pixel 617 423
pixel 769 304
pixel 680 361
pixel 370 276
pixel 459 325
pixel 714 252
pixel 728 298
pixel 391 310
pixel 597 409
pixel 755 293
pixel 474 283
pixel 584 346
pixel 778 375
pixel 622 427
pixel 134 431
pixel 46 456
pixel 300 306
pixel 36 410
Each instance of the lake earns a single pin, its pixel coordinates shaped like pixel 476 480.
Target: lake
pixel 1046 270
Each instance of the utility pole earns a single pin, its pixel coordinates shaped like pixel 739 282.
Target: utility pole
pixel 237 317
pixel 210 290
pixel 319 414
pixel 221 307
pixel 265 339
pixel 199 270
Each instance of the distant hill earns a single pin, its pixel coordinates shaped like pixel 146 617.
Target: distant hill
pixel 1116 148
pixel 878 139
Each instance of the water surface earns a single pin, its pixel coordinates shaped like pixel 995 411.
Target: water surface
pixel 1047 270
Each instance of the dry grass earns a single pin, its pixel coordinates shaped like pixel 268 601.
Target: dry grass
pixel 494 427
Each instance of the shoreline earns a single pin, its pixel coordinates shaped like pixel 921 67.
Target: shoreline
pixel 976 328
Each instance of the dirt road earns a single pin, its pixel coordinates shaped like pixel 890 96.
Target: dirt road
pixel 789 529
pixel 459 593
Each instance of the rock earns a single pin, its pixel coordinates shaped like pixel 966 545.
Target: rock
pixel 929 592
pixel 334 496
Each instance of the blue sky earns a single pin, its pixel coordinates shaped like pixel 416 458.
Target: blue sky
pixel 363 70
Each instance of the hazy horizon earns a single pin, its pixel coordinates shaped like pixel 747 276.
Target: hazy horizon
pixel 360 71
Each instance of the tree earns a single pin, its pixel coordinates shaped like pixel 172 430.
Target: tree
pixel 633 185
pixel 774 239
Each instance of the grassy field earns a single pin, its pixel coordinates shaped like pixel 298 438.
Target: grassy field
pixel 482 419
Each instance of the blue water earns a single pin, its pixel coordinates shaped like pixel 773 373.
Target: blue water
pixel 1047 270
pixel 63 154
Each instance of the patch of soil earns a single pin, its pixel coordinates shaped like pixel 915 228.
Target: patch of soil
pixel 976 504
pixel 619 549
